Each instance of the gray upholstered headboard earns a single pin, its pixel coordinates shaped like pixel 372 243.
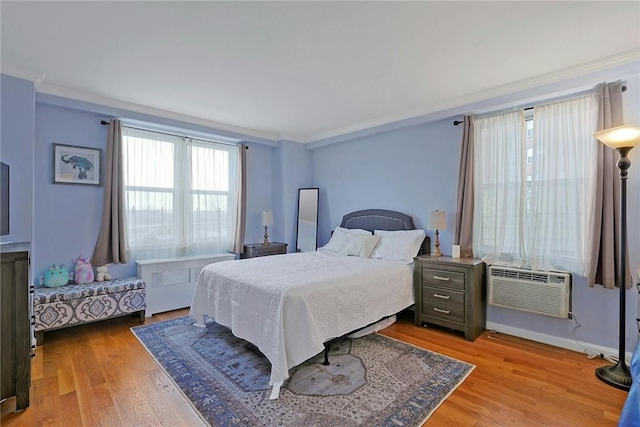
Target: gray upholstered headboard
pixel 377 219
pixel 382 219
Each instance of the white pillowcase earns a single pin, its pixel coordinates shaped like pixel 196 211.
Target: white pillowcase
pixel 360 244
pixel 400 245
pixel 338 239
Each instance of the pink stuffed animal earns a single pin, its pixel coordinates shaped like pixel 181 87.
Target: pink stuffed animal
pixel 84 272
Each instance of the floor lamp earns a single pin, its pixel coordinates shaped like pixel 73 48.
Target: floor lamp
pixel 622 139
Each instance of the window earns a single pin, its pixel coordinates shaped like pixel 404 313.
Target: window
pixel 529 124
pixel 180 194
pixel 534 183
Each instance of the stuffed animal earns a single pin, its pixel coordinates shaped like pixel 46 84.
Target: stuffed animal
pixel 103 274
pixel 84 272
pixel 56 276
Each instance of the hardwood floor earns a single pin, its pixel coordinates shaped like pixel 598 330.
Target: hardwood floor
pixel 99 374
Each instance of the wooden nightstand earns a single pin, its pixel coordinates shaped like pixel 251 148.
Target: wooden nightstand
pixel 252 250
pixel 450 292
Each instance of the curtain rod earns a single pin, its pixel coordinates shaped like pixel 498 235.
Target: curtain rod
pixel 459 122
pixel 104 122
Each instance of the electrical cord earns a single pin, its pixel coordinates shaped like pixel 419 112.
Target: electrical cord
pixel 493 335
pixel 591 354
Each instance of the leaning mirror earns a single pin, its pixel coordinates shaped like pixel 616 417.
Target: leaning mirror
pixel 307 220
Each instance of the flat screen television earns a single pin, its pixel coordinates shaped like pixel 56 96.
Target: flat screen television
pixel 4 199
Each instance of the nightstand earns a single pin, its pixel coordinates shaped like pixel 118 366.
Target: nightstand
pixel 450 292
pixel 252 250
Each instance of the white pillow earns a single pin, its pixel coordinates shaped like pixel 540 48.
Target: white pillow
pixel 400 245
pixel 337 241
pixel 360 244
pixel 353 230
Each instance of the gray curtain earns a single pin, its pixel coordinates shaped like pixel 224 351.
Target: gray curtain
pixel 464 208
pixel 241 205
pixel 605 252
pixel 111 247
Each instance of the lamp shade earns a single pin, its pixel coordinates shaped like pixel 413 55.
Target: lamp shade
pixel 619 136
pixel 437 220
pixel 267 217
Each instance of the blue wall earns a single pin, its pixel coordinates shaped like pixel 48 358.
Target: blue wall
pixel 260 192
pixel 67 217
pixel 16 149
pixel 293 171
pixel 411 170
pixel 414 170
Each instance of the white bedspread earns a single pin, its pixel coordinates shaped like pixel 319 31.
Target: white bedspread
pixel 289 305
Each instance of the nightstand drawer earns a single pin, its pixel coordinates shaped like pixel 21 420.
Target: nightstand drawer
pixel 443 304
pixel 266 250
pixel 443 297
pixel 440 311
pixel 254 250
pixel 447 279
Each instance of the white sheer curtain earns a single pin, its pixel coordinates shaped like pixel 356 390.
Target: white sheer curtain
pixel 499 188
pixel 562 202
pixel 180 194
pixel 534 194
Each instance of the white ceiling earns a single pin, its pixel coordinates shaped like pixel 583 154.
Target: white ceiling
pixel 306 71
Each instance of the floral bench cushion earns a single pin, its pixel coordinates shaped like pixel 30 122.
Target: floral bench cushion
pixel 69 292
pixel 76 304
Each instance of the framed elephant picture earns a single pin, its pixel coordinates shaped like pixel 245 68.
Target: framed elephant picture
pixel 76 165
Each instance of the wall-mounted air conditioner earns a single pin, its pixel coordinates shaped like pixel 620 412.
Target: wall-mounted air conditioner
pixel 540 292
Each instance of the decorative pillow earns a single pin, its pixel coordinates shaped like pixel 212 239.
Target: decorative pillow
pixel 360 244
pixel 400 245
pixel 337 241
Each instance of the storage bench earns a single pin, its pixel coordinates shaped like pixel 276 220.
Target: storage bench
pixel 71 305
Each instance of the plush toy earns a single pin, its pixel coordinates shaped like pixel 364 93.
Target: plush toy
pixel 56 276
pixel 103 274
pixel 84 272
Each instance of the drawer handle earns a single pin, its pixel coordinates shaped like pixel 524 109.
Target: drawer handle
pixel 446 279
pixel 441 296
pixel 439 310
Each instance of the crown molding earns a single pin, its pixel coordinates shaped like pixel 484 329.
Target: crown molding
pixel 76 95
pixel 40 86
pixel 433 113
pixel 32 76
pixel 494 92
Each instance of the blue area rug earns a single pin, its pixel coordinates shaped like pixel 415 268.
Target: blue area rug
pixel 372 381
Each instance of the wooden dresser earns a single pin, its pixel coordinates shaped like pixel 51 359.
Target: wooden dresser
pixel 450 292
pixel 252 250
pixel 15 321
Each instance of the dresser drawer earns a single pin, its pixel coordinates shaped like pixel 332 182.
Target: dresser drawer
pixel 443 304
pixel 447 279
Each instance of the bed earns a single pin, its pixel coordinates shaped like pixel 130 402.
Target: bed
pixel 630 415
pixel 290 305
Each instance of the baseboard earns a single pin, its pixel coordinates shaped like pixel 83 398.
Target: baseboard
pixel 565 343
